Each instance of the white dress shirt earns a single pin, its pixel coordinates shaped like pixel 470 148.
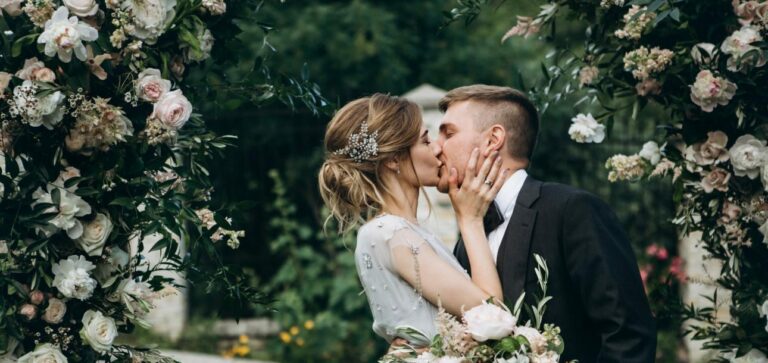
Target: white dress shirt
pixel 505 201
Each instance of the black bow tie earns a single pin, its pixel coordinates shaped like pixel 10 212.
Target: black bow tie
pixel 492 219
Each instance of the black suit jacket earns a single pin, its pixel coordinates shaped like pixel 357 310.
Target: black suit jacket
pixel 598 297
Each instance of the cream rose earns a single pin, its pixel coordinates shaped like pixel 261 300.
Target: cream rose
pixel 150 85
pixel 587 75
pixel 28 311
pixel 585 129
pixel 43 353
pixel 95 234
pixel 747 156
pixel 709 91
pixel 172 110
pixel 489 321
pixel 55 311
pixel 98 331
pixel 82 8
pixel 534 337
pixel 712 151
pixel 717 179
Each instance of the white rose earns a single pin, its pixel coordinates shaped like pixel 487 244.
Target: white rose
pixel 69 208
pixel 117 260
pixel 753 356
pixel 43 353
pixel 98 331
pixel 702 53
pixel 763 309
pixel 747 156
pixel 72 278
pixel 150 85
pixel 651 152
pixel 64 35
pixel 95 234
pixel 548 357
pixel 537 341
pixel 709 91
pixel 489 321
pixel 586 129
pixel 150 17
pixel 738 44
pixel 11 7
pixel 172 110
pixel 82 8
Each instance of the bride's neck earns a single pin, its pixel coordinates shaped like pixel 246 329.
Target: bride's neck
pixel 403 199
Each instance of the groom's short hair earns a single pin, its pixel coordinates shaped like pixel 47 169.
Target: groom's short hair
pixel 508 107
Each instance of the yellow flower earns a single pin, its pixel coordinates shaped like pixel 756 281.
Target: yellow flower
pixel 242 350
pixel 243 339
pixel 294 330
pixel 285 337
pixel 309 324
pixel 300 342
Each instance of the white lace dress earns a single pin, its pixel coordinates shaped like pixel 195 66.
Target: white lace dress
pixel 399 310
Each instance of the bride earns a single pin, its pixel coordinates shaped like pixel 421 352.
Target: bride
pixel 378 156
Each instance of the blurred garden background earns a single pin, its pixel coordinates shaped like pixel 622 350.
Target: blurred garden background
pixel 350 49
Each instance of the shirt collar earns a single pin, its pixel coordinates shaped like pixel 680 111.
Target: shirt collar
pixel 507 196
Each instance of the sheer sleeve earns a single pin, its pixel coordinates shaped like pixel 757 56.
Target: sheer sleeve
pixel 416 262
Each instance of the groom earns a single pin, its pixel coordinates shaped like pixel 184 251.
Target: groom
pixel 598 298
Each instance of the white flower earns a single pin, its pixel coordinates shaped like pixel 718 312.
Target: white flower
pixel 548 357
pixel 747 156
pixel 709 91
pixel 62 36
pixel 150 85
pixel 426 357
pixel 703 53
pixel 537 340
pixel 43 353
pixel 134 295
pixel 739 44
pixel 753 356
pixel 117 260
pixel 449 359
pixel 205 40
pixel 82 8
pixel 11 7
pixel 98 331
pixel 38 110
pixel 651 152
pixel 587 75
pixel 95 234
pixel 586 129
pixel 69 208
pixel 215 7
pixel 517 358
pixel 150 17
pixel 66 174
pixel 489 321
pixel 55 311
pixel 72 277
pixel 172 110
pixel 763 310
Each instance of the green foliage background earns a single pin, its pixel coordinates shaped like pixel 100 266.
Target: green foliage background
pixel 352 49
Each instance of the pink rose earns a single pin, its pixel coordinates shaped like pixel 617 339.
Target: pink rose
pixel 709 91
pixel 717 179
pixel 150 85
pixel 172 110
pixel 36 297
pixel 711 151
pixel 35 70
pixel 29 311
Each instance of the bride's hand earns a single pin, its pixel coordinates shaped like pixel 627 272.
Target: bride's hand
pixel 478 189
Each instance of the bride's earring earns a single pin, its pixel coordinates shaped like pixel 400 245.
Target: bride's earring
pixel 398 170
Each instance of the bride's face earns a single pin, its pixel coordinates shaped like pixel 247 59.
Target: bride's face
pixel 425 162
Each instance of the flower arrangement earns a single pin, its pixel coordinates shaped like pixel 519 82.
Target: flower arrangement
pixel 703 63
pixel 490 333
pixel 101 152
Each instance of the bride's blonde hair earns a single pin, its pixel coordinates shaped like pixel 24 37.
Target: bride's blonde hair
pixel 353 189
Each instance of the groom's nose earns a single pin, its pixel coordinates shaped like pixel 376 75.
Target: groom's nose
pixel 437 148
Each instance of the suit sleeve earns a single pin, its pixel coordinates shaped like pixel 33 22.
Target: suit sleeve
pixel 603 269
pixel 461 255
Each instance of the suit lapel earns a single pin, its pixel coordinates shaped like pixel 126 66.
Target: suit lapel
pixel 514 252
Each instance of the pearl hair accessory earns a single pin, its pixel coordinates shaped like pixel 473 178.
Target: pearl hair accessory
pixel 362 146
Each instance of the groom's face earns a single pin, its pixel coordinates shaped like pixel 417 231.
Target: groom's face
pixel 458 136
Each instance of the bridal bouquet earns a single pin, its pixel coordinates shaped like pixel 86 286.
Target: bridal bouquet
pixel 100 148
pixel 491 333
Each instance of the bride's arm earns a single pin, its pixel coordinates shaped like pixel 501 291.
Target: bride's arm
pixel 436 279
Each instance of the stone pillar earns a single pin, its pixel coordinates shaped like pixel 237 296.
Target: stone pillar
pixel 169 316
pixel 440 219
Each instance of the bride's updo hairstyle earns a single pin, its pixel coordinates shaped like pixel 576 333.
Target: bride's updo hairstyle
pixel 351 185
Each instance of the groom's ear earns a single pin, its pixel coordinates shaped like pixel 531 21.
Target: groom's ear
pixel 496 139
